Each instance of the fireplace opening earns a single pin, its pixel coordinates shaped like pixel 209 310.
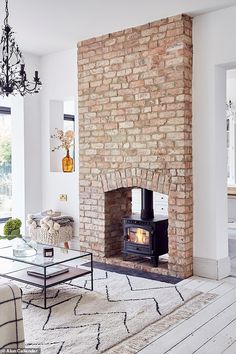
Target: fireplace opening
pixel 145 234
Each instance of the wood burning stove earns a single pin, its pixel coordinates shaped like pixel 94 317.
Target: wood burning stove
pixel 146 235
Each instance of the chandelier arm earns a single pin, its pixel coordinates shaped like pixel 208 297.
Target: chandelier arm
pixel 7 14
pixel 25 87
pixel 13 49
pixel 11 55
pixel 32 90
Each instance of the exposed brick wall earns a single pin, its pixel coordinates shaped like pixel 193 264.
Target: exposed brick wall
pixel 117 205
pixel 135 122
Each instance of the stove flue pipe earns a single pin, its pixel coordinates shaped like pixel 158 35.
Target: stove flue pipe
pixel 147 211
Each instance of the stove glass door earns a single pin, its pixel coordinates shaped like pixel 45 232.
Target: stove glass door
pixel 138 235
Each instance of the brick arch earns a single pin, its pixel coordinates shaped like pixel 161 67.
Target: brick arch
pixel 137 177
pixel 117 187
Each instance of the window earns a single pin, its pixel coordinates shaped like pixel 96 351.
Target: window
pixel 69 122
pixel 5 164
pixel 69 115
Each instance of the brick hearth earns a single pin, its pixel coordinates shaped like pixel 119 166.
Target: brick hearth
pixel 135 125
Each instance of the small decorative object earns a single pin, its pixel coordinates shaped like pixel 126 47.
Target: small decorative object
pixel 12 229
pixel 12 67
pixel 48 252
pixel 66 139
pixel 24 247
pixel 67 163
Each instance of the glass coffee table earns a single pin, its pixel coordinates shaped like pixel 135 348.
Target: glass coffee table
pixel 74 264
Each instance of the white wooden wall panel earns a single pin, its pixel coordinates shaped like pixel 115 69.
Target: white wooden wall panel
pixel 160 202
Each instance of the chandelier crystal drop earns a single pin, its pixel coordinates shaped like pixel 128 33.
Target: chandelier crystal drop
pixel 13 77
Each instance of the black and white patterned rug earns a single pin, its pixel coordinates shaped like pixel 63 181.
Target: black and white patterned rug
pixel 93 322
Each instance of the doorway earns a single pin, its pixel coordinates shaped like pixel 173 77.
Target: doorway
pixel 231 163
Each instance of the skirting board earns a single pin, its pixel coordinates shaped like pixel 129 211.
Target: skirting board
pixel 211 268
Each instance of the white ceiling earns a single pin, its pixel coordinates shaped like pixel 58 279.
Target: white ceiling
pixel 45 26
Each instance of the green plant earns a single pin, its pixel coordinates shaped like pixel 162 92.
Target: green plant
pixel 5 151
pixel 12 228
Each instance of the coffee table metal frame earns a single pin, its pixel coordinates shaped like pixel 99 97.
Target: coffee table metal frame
pixel 45 283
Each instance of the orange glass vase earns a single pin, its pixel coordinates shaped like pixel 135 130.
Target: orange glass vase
pixel 67 163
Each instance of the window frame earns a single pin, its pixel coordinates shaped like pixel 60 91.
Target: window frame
pixel 69 117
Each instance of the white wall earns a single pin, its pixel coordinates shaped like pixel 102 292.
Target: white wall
pixel 59 77
pixel 231 86
pixel 214 51
pixel 32 142
pixel 26 156
pixel 56 113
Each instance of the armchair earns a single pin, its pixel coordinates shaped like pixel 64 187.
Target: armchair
pixel 11 320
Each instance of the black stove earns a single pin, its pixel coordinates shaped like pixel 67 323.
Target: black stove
pixel 146 235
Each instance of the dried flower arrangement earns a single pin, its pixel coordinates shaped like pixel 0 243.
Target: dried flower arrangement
pixel 66 139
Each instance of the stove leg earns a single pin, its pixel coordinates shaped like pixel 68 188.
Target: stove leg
pixel 154 261
pixel 125 256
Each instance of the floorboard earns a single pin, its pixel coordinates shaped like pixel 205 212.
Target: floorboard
pixel 231 349
pixel 224 339
pixel 208 329
pixel 179 338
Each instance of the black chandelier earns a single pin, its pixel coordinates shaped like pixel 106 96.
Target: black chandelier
pixel 13 77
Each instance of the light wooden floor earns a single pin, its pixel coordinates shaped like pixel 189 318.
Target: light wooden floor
pixel 211 330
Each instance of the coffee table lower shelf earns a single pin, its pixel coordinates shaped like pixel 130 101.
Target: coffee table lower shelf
pixel 45 283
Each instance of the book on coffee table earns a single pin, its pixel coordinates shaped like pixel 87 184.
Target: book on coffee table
pixel 51 271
